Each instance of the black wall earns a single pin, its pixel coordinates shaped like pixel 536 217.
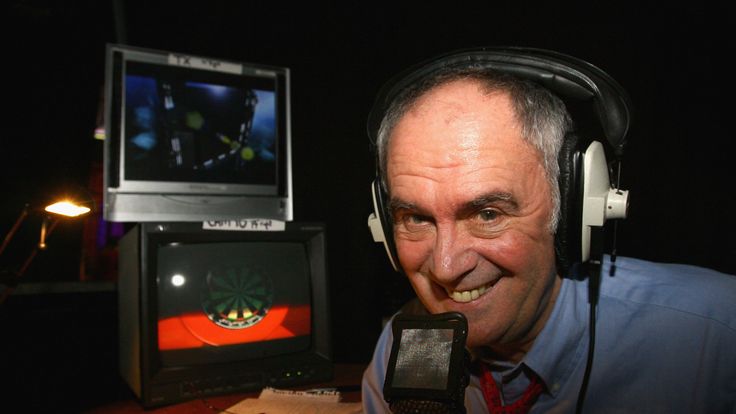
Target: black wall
pixel 671 60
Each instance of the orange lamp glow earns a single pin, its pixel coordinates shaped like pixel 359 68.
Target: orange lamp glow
pixel 67 208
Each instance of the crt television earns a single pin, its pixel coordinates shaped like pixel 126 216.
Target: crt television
pixel 204 312
pixel 190 138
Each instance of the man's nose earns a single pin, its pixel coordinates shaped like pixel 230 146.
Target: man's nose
pixel 451 255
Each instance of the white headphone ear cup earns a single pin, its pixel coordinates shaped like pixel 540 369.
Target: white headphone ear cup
pixel 380 223
pixel 600 201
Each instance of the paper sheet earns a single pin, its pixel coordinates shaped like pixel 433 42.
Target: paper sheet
pixel 273 401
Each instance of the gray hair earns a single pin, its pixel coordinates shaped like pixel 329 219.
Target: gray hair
pixel 543 117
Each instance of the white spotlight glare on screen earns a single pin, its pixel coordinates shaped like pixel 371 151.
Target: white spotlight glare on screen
pixel 178 280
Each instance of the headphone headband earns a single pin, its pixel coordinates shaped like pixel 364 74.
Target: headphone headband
pixel 568 76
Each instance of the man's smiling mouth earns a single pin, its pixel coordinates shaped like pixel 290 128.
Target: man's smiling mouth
pixel 464 296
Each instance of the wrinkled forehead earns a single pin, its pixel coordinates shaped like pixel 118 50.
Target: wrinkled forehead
pixel 457 132
pixel 444 89
pixel 458 117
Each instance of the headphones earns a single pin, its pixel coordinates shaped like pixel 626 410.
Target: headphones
pixel 587 199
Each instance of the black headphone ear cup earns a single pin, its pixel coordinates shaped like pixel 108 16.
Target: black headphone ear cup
pixel 568 238
pixel 383 213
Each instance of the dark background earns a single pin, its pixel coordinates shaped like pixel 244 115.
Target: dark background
pixel 672 61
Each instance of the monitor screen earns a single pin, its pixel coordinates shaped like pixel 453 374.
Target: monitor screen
pixel 243 298
pixel 195 126
pixel 190 138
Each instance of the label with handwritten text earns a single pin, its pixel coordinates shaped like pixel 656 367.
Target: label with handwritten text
pixel 204 63
pixel 245 225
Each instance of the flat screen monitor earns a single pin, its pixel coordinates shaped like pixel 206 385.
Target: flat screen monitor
pixel 191 138
pixel 205 312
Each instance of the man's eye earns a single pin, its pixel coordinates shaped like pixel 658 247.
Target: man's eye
pixel 415 219
pixel 413 222
pixel 488 222
pixel 488 215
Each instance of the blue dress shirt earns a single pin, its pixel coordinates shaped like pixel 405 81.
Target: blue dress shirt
pixel 665 343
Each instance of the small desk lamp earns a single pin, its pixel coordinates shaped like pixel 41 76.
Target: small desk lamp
pixel 60 209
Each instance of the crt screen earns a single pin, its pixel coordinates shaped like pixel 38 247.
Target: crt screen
pixel 232 295
pixel 198 126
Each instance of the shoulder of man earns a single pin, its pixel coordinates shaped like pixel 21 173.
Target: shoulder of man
pixel 695 290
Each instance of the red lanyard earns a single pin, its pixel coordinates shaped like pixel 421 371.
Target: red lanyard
pixel 493 396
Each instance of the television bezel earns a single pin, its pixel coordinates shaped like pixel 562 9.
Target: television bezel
pixel 140 363
pixel 128 200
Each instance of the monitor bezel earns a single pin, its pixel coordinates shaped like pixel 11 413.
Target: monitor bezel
pixel 190 200
pixel 154 376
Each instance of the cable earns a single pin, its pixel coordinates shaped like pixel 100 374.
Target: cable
pixel 589 362
pixel 614 252
pixel 593 291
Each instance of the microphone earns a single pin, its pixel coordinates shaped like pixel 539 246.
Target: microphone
pixel 428 368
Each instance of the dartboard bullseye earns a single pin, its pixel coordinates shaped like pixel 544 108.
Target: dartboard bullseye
pixel 236 297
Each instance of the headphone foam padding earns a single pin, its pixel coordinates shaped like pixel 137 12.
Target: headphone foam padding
pixel 568 234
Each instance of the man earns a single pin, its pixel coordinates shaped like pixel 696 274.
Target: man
pixel 468 157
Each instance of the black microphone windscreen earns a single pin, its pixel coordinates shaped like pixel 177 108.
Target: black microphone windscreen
pixel 427 370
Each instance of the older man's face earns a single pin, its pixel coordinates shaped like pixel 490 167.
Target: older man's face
pixel 471 206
